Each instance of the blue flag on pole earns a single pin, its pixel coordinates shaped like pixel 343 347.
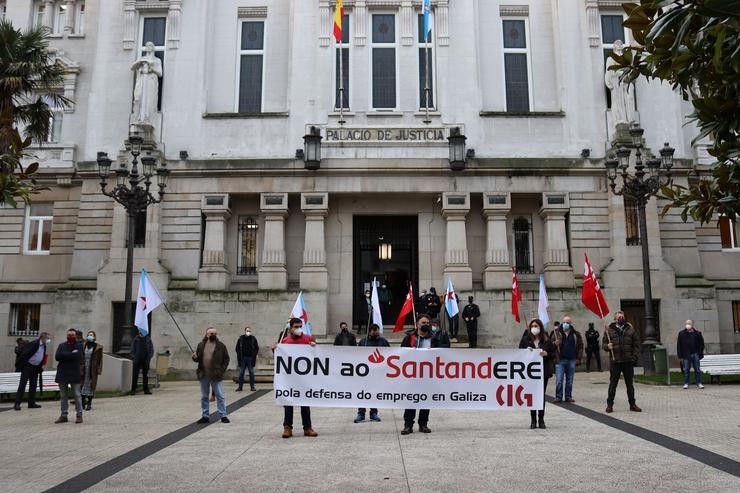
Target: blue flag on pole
pixel 426 10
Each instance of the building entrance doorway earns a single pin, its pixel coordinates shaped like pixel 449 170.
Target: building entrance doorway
pixel 385 248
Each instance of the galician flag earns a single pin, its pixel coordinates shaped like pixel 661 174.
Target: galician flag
pixel 146 301
pixel 299 311
pixel 450 301
pixel 544 303
pixel 426 9
pixel 338 16
pixel 377 317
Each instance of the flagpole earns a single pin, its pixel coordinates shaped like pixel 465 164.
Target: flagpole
pixel 178 326
pixel 341 78
pixel 426 70
pixel 606 329
pixel 413 305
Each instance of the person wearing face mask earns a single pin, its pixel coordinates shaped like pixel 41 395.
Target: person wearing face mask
pixel 432 304
pixel 569 352
pixel 471 314
pixel 247 349
pixel 92 366
pixel 623 342
pixel 213 360
pixel 69 360
pixel 142 351
pixel 441 334
pixel 30 361
pixel 374 339
pixel 345 337
pixel 690 350
pixel 592 347
pixel 535 338
pixel 297 336
pixel 420 339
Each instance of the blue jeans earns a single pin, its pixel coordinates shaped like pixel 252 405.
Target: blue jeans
pixel 64 395
pixel 565 368
pixel 247 363
pixel 205 393
pixel 693 360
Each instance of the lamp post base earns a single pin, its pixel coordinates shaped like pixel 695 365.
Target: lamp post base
pixel 646 358
pixel 124 350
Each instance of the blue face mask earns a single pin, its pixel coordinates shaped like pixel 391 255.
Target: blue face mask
pixel 90 338
pixel 565 326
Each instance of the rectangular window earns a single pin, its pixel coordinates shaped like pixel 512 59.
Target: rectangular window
pixel 154 29
pixel 516 65
pixel 80 18
pixel 736 316
pixel 612 29
pixel 60 19
pixel 728 233
pixel 523 247
pixel 24 319
pixel 426 52
pixel 247 259
pixel 384 62
pixel 55 121
pixel 632 222
pixel 345 66
pixel 38 15
pixel 39 218
pixel 251 66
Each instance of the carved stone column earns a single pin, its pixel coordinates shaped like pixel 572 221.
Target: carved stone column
pixel 273 273
pixel 360 25
pixel 173 24
pixel 314 276
pixel 214 274
pixel 129 24
pixel 557 270
pixel 407 23
pixel 443 22
pixel 325 16
pixel 497 273
pixel 592 14
pixel 455 208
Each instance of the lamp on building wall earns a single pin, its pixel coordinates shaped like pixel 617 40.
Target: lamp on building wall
pixel 457 149
pixel 385 250
pixel 640 187
pixel 312 149
pixel 132 191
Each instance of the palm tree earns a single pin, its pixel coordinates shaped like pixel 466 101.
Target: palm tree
pixel 29 82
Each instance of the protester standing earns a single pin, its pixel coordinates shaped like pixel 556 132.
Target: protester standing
pixel 30 362
pixel 440 334
pixel 297 336
pixel 345 337
pixel 535 338
pixel 419 339
pixel 432 304
pixel 373 339
pixel 569 348
pixel 213 360
pixel 470 315
pixel 142 351
pixel 690 349
pixel 622 341
pixel 247 349
pixel 69 361
pixel 92 366
pixel 592 347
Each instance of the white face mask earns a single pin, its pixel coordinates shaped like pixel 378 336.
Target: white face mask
pixel 298 332
pixel 688 326
pixel 535 331
pixel 247 333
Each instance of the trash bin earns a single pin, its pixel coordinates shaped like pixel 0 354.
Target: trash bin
pixel 660 357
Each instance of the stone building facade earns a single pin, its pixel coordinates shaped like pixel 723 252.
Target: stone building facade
pixel 244 226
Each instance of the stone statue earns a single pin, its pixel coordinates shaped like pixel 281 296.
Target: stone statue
pixel 623 99
pixel 148 70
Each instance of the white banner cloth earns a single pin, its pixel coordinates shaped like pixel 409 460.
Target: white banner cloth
pixel 400 378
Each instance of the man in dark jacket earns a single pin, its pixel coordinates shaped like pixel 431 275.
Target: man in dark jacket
pixel 69 358
pixel 421 338
pixel 623 342
pixel 440 334
pixel 432 305
pixel 30 362
pixel 690 350
pixel 247 349
pixel 213 360
pixel 374 339
pixel 569 348
pixel 142 351
pixel 592 347
pixel 17 349
pixel 345 337
pixel 470 314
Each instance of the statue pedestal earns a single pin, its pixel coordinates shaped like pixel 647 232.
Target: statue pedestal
pixel 149 131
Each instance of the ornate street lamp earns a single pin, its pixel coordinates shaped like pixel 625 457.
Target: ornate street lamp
pixel 457 149
pixel 132 191
pixel 312 149
pixel 640 187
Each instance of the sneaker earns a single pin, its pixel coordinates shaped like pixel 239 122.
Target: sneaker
pixel 424 429
pixel 699 386
pixel 308 432
pixel 633 407
pixel 685 386
pixel 61 419
pixel 407 430
pixel 203 420
pixel 359 418
pixel 78 420
pixel 287 431
pixel 37 406
pixel 224 419
pixel 375 417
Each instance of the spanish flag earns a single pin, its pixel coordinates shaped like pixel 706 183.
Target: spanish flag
pixel 338 16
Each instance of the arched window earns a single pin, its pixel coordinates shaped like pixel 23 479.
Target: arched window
pixel 523 257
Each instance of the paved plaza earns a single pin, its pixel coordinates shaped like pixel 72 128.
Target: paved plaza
pixel 684 440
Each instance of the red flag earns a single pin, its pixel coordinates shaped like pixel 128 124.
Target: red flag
pixel 592 295
pixel 516 295
pixel 408 307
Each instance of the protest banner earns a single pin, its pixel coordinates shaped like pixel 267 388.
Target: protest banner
pixel 404 378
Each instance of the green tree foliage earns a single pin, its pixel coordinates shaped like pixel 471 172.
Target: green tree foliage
pixel 29 81
pixel 695 46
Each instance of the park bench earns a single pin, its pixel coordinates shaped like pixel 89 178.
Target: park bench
pixel 9 382
pixel 717 365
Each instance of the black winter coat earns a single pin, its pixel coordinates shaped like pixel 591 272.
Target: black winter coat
pixel 379 341
pixel 345 339
pixel 411 340
pixel 246 346
pixel 549 360
pixel 142 348
pixel 69 358
pixel 684 344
